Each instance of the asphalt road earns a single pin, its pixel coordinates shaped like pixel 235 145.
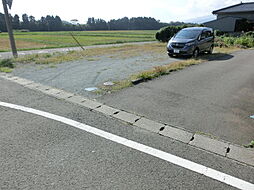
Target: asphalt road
pixel 38 153
pixel 216 98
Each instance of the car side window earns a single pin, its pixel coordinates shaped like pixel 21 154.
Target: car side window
pixel 209 34
pixel 203 35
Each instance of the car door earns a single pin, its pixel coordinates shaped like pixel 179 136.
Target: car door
pixel 202 41
pixel 209 39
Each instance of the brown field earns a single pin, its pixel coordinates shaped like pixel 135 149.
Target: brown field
pixel 5 44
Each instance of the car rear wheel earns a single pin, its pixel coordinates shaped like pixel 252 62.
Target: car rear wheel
pixel 195 53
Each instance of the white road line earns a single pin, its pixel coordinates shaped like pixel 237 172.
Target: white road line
pixel 211 173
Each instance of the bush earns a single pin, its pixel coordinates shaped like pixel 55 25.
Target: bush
pixel 220 33
pixel 229 40
pixel 251 34
pixel 6 63
pixel 165 33
pixel 245 40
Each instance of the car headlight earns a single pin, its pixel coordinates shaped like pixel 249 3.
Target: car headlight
pixel 190 44
pixel 169 44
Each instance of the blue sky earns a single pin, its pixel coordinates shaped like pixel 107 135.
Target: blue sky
pixel 164 10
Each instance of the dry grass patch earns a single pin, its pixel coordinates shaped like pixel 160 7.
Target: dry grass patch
pixel 225 50
pixel 165 69
pixel 5 44
pixel 118 85
pixel 121 52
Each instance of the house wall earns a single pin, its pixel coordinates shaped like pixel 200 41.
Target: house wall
pixel 224 24
pixel 249 16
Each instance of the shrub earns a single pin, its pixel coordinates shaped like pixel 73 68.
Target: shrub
pixel 251 34
pixel 229 40
pixel 219 33
pixel 6 63
pixel 165 33
pixel 245 41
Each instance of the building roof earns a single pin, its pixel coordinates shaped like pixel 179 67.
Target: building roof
pixel 224 18
pixel 241 7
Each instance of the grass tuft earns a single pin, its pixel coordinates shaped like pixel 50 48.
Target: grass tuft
pixel 166 69
pixel 6 63
pixel 118 85
pixel 251 145
pixel 5 70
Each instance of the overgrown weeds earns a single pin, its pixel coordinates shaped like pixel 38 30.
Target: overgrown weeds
pixel 251 145
pixel 6 65
pixel 244 41
pixel 166 69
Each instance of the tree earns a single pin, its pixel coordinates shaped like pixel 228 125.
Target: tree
pixel 16 22
pixel 32 23
pixel 58 23
pixel 50 23
pixel 42 24
pixel 2 23
pixel 25 22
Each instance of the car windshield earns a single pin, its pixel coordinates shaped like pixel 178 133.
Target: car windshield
pixel 187 34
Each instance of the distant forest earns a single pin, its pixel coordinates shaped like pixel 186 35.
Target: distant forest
pixel 55 23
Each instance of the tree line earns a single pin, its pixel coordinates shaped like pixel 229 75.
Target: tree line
pixel 55 23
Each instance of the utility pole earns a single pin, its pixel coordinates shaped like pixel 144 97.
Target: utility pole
pixel 9 26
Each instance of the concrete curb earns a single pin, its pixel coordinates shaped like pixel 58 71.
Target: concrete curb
pixel 219 147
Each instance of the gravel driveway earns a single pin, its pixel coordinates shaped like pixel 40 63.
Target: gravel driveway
pixel 78 75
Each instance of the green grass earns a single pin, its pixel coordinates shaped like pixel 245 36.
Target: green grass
pixel 244 41
pixel 251 145
pixel 42 40
pixel 6 65
pixel 5 70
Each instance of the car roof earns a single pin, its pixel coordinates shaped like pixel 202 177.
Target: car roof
pixel 198 28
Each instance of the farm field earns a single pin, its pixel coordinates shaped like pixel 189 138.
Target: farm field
pixel 44 40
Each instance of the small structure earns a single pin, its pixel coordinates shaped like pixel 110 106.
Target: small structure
pixel 236 18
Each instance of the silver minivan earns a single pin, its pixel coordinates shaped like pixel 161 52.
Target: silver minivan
pixel 191 41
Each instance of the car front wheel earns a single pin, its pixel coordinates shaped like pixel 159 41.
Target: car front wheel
pixel 195 53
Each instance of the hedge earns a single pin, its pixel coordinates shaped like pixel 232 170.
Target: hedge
pixel 165 33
